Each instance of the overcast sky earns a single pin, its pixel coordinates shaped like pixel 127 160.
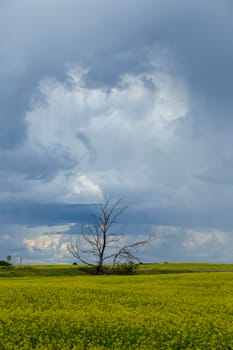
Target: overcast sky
pixel 122 98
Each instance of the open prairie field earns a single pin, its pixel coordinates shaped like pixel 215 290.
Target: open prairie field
pixel 141 269
pixel 166 311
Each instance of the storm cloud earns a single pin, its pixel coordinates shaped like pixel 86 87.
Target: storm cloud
pixel 125 99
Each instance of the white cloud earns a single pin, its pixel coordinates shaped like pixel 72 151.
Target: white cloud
pixel 196 239
pixel 43 242
pixel 83 188
pixel 111 136
pixel 207 244
pixel 48 244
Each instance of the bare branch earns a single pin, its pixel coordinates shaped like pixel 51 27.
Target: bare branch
pixel 73 248
pixel 125 252
pixel 100 243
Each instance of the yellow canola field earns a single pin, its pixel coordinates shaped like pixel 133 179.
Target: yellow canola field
pixel 176 311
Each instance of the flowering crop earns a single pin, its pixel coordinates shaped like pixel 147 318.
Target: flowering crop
pixel 178 311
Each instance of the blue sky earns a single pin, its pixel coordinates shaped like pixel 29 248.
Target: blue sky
pixel 119 98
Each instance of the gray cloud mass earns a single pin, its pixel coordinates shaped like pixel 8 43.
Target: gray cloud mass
pixel 123 98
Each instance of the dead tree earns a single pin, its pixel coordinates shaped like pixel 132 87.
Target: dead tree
pixel 99 242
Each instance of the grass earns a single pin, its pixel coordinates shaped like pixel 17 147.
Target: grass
pixel 40 270
pixel 166 268
pixel 144 269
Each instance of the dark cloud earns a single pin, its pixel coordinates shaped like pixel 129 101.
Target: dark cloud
pixel 37 163
pixel 133 221
pixel 111 39
pixel 44 214
pixel 179 174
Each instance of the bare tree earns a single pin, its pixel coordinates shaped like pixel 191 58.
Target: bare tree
pixel 100 243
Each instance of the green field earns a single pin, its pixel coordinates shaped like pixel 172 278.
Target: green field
pixel 144 311
pixel 77 270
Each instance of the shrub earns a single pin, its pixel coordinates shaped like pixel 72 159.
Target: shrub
pixel 125 269
pixel 4 263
